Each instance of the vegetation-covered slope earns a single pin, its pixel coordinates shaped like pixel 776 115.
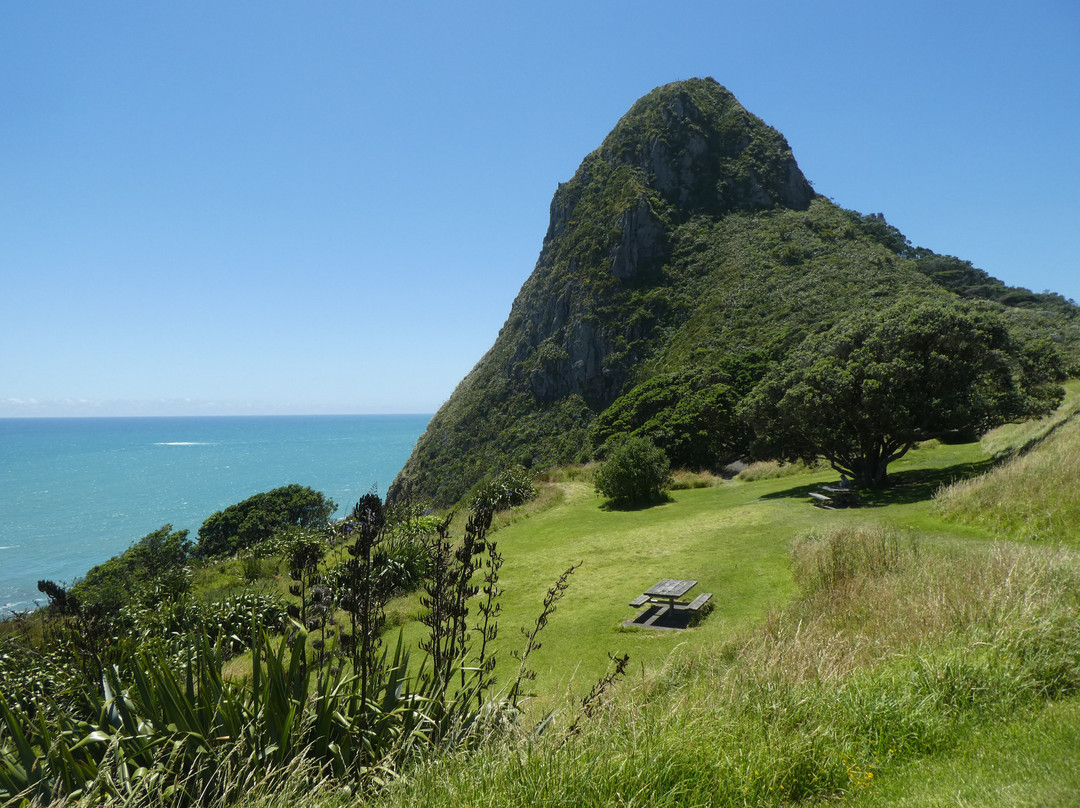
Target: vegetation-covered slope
pixel 1036 494
pixel 848 649
pixel 688 242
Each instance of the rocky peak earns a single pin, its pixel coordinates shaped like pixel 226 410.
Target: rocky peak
pixel 585 319
pixel 685 149
pixel 704 153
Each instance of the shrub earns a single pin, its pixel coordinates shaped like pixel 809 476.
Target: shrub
pixel 150 571
pixel 637 472
pixel 507 489
pixel 258 518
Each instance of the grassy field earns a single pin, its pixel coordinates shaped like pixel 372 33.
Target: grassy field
pixel 901 673
pixel 734 538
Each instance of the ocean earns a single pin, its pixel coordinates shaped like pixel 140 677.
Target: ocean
pixel 76 491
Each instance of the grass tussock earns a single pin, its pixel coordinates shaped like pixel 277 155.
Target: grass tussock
pixel 580 473
pixel 892 654
pixel 1033 496
pixel 773 469
pixel 871 596
pixel 683 479
pixel 547 496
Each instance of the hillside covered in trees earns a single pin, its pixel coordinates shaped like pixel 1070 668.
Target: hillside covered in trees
pixel 686 257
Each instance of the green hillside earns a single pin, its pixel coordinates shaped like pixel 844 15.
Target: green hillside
pixel 688 243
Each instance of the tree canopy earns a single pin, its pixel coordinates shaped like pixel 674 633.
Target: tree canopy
pixel 690 415
pixel 864 392
pixel 259 517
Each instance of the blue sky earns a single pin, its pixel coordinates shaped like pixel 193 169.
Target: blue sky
pixel 269 207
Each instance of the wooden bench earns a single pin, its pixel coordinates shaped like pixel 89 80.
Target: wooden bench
pixel 822 500
pixel 842 496
pixel 639 601
pixel 698 602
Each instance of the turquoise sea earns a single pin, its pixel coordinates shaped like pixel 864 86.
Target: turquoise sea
pixel 77 491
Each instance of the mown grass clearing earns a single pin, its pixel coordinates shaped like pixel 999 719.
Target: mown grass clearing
pixel 867 651
pixel 735 538
pixel 896 653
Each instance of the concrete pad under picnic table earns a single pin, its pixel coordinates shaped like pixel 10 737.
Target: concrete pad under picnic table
pixel 669 620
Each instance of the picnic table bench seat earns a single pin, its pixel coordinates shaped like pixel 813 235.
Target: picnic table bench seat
pixel 692 606
pixel 699 601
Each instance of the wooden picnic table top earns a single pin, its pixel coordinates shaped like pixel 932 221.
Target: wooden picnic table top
pixel 670 588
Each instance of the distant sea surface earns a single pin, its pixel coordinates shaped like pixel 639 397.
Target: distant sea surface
pixel 76 491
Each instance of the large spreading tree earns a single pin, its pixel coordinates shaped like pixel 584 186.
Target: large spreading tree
pixel 867 390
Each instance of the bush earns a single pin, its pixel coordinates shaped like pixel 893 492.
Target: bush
pixel 637 472
pixel 150 571
pixel 258 518
pixel 507 489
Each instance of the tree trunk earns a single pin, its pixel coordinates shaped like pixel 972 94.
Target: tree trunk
pixel 870 473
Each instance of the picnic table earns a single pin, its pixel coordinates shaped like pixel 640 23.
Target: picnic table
pixel 840 495
pixel 665 594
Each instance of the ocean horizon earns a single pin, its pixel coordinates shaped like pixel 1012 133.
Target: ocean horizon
pixel 77 491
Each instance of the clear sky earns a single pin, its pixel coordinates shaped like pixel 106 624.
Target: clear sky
pixel 328 207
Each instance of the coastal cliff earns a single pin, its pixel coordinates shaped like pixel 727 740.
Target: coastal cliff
pixel 688 242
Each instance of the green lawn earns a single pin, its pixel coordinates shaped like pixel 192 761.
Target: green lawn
pixel 734 538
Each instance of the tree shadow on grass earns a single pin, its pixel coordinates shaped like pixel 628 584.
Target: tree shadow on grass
pixel 620 505
pixel 904 487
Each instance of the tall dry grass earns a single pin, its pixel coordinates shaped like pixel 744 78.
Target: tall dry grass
pixel 1034 496
pixel 1014 439
pixel 870 596
pixel 774 469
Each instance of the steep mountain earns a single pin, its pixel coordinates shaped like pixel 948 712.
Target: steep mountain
pixel 689 244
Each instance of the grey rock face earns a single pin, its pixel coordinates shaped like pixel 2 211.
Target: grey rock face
pixel 683 150
pixel 643 241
